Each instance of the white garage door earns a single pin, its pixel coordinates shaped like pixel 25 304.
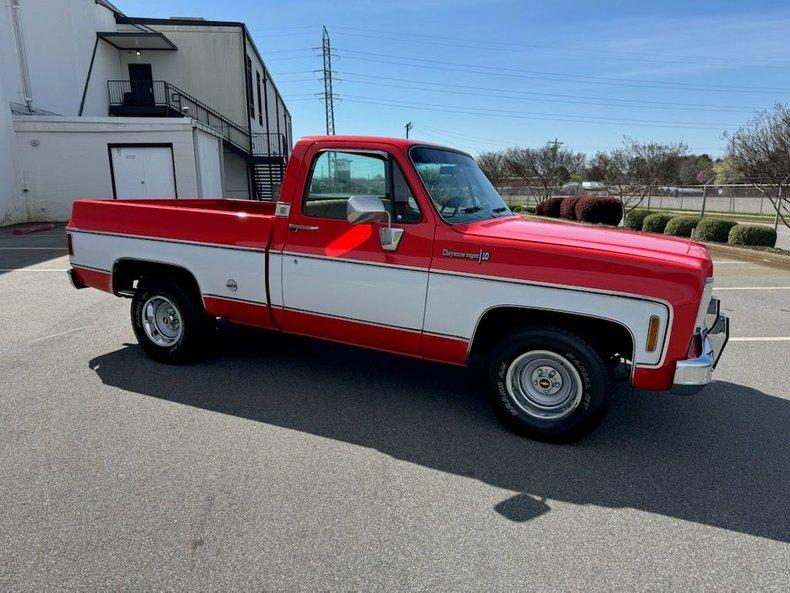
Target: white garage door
pixel 143 171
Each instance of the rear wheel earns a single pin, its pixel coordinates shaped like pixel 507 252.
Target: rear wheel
pixel 170 324
pixel 548 384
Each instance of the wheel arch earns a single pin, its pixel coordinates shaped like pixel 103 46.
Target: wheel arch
pixel 127 270
pixel 609 335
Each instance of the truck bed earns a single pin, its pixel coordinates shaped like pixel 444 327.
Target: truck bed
pixel 237 223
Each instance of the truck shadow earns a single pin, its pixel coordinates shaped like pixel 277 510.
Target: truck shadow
pixel 721 458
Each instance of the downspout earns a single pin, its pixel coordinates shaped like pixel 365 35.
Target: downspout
pixel 20 50
pixel 88 78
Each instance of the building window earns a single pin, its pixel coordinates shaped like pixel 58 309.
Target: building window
pixel 258 86
pixel 250 100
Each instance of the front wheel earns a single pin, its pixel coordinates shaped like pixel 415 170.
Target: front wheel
pixel 548 384
pixel 168 322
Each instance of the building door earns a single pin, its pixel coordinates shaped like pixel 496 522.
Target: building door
pixel 143 171
pixel 141 83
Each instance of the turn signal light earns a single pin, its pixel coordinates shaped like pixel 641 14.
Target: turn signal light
pixel 652 334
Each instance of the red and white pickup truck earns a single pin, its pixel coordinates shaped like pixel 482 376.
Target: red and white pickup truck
pixel 406 247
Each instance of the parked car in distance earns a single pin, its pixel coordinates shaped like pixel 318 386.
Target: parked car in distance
pixel 406 247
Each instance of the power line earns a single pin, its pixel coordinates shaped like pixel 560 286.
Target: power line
pixel 587 52
pixel 534 116
pixel 551 76
pixel 553 97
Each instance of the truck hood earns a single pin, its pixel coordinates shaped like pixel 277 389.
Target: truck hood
pixel 602 239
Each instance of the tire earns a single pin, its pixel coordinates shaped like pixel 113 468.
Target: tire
pixel 170 324
pixel 548 384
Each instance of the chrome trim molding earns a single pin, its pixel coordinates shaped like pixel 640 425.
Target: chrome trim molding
pixel 166 240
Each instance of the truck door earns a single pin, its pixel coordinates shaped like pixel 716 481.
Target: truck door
pixel 338 281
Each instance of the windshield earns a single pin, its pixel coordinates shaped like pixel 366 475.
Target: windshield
pixel 458 188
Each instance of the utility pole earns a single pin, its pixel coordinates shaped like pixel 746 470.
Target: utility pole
pixel 408 128
pixel 329 98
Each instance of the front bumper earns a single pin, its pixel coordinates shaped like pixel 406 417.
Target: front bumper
pixel 693 374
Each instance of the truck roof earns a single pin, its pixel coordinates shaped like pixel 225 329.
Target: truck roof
pixel 403 143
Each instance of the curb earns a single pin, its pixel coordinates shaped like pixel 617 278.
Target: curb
pixel 34 228
pixel 762 257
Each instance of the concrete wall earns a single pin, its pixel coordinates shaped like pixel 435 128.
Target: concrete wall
pixel 208 152
pixel 59 39
pixel 62 159
pixel 236 176
pixel 12 204
pixel 207 65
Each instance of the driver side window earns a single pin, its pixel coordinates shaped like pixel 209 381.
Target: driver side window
pixel 336 176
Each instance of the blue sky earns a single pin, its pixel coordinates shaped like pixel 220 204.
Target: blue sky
pixel 488 75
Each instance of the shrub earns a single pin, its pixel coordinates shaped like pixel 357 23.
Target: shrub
pixel 601 210
pixel 681 226
pixel 568 207
pixel 517 208
pixel 550 207
pixel 635 218
pixel 752 234
pixel 656 223
pixel 714 229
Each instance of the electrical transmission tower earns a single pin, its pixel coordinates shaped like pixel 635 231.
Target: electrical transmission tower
pixel 329 98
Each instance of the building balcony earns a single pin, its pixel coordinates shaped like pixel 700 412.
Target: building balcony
pixel 159 98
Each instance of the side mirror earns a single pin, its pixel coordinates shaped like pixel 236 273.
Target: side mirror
pixel 362 209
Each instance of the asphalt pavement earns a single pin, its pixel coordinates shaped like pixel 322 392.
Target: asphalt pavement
pixel 282 464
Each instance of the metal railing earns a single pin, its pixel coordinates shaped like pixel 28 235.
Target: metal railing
pixel 269 144
pixel 140 94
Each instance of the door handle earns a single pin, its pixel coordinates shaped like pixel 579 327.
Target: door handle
pixel 301 227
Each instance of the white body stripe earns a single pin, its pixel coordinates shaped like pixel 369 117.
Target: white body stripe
pixel 382 295
pixel 211 266
pixel 456 303
pixel 439 303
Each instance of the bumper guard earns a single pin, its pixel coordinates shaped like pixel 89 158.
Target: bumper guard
pixel 693 374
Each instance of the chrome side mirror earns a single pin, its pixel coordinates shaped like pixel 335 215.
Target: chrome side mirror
pixel 370 209
pixel 363 209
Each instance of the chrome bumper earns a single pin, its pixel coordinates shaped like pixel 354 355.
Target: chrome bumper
pixel 693 374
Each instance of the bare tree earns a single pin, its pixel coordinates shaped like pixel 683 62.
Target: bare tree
pixel 543 169
pixel 633 172
pixel 761 153
pixel 493 166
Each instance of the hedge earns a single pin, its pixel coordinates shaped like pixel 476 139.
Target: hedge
pixel 635 219
pixel 752 234
pixel 681 226
pixel 656 223
pixel 714 229
pixel 550 207
pixel 600 210
pixel 568 207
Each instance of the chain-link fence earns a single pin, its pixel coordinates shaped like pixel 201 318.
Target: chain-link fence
pixel 743 203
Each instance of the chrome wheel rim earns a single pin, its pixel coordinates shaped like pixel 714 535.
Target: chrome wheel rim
pixel 162 321
pixel 544 385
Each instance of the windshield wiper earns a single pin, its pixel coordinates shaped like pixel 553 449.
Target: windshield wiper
pixel 500 209
pixel 471 209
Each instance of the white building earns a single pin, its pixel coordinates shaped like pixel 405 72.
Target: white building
pixel 94 103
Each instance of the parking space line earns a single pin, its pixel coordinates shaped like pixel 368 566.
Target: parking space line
pixel 68 331
pixel 762 339
pixel 34 269
pixel 751 288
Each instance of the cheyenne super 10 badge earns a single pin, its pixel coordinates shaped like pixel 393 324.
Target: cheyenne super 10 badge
pixel 479 256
